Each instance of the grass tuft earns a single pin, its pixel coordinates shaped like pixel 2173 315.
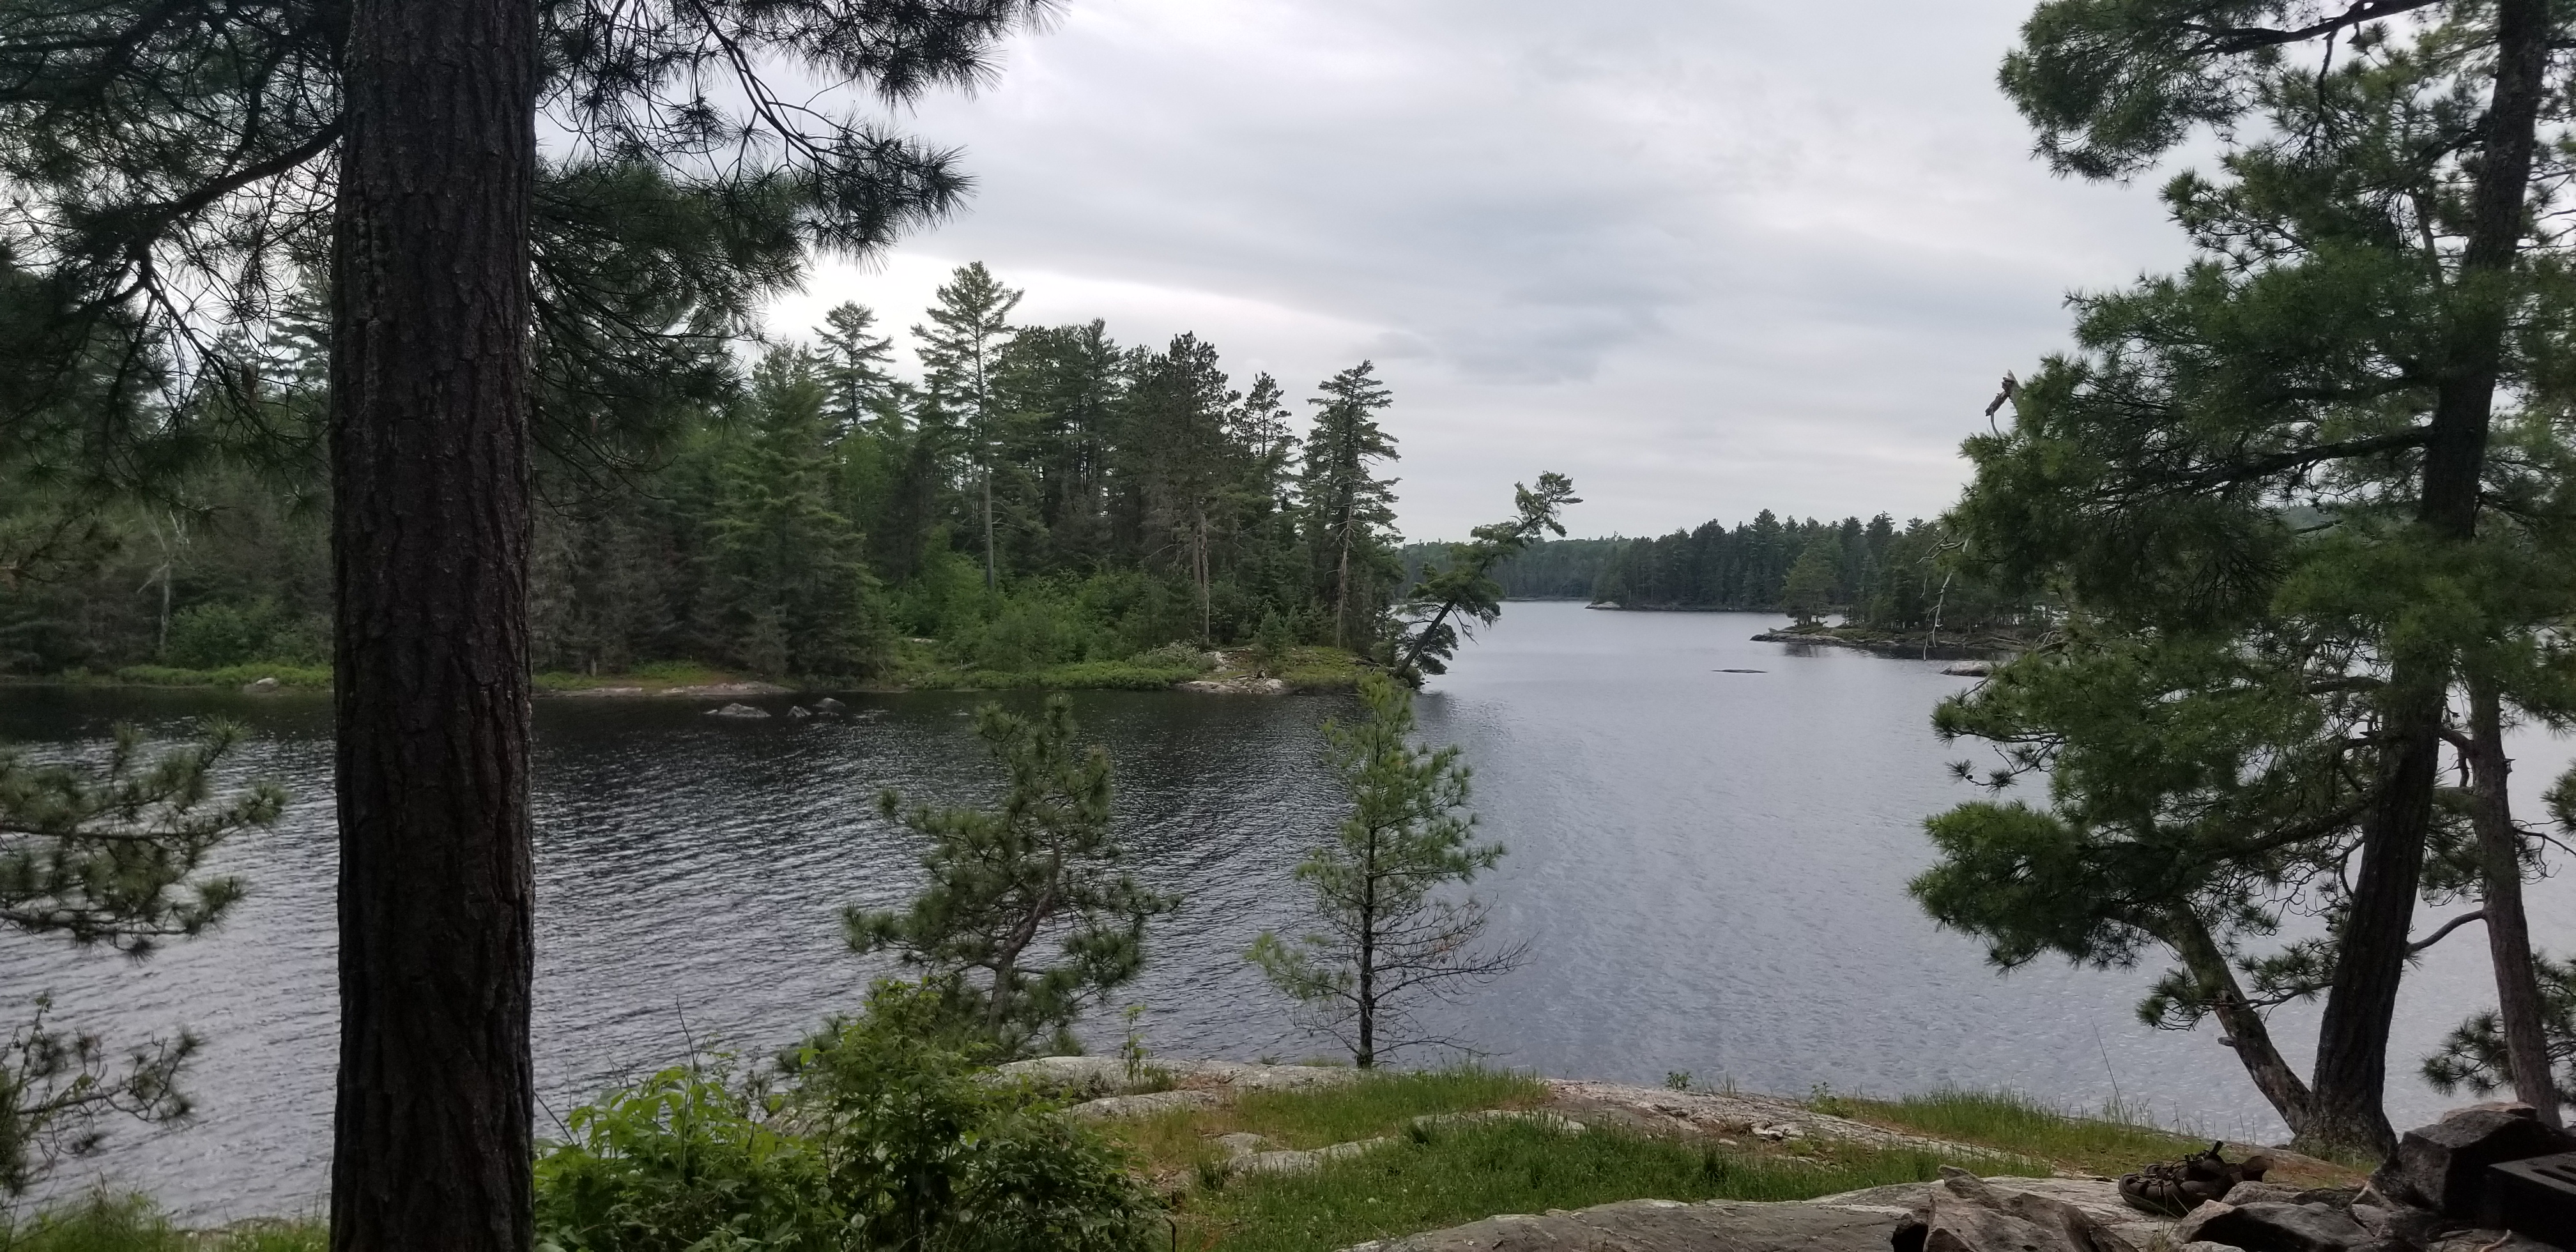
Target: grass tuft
pixel 132 1223
pixel 2115 1143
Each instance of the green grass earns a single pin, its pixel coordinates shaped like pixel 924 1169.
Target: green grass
pixel 302 677
pixel 1379 1103
pixel 118 1223
pixel 1321 669
pixel 1453 1175
pixel 1077 676
pixel 2111 1143
pixel 651 674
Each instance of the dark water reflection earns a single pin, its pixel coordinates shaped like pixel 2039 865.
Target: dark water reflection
pixel 1709 865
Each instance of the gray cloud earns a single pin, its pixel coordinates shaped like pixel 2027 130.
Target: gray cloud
pixel 1704 257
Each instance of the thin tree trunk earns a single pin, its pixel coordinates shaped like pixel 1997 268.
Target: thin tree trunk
pixel 991 580
pixel 1342 588
pixel 2518 1008
pixel 1366 1057
pixel 431 1142
pixel 2352 1038
pixel 2247 1033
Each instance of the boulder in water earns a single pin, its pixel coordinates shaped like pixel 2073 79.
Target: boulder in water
pixel 829 705
pixel 738 710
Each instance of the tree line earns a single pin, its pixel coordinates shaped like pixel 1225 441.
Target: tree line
pixel 1877 574
pixel 1040 495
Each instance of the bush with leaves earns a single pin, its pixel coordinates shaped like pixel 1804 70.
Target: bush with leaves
pixel 888 1133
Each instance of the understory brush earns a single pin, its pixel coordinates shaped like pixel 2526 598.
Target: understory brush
pixel 880 1133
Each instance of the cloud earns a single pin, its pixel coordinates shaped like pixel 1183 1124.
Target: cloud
pixel 1704 257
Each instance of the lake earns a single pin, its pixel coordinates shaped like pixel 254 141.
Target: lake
pixel 1709 868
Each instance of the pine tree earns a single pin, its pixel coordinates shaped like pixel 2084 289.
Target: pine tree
pixel 112 857
pixel 855 376
pixel 1465 590
pixel 1348 510
pixel 968 330
pixel 1047 865
pixel 2292 437
pixel 1387 943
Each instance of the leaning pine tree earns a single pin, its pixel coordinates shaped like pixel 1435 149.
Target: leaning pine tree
pixel 1385 942
pixel 1045 866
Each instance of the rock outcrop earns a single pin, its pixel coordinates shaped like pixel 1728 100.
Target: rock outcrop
pixel 2443 1167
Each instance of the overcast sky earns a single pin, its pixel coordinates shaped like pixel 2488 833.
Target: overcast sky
pixel 1706 257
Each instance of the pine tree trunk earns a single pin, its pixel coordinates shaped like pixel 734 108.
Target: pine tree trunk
pixel 2352 1039
pixel 991 579
pixel 2247 1033
pixel 1366 1056
pixel 2518 1008
pixel 431 1145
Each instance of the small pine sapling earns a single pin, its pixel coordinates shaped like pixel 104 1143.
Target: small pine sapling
pixel 1047 864
pixel 1385 942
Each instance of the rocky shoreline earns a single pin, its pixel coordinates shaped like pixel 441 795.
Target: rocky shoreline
pixel 1902 647
pixel 2438 1194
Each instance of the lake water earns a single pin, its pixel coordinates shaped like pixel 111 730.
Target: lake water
pixel 1709 868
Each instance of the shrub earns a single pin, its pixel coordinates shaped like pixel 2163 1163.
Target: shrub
pixel 683 1160
pixel 890 1134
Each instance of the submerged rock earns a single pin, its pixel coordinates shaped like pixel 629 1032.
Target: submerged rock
pixel 798 712
pixel 1969 669
pixel 829 705
pixel 738 710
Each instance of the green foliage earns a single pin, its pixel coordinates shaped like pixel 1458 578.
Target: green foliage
pixel 2473 1054
pixel 1809 589
pixel 300 677
pixel 1386 942
pixel 888 1135
pixel 108 856
pixel 686 1158
pixel 1044 866
pixel 215 636
pixel 2293 496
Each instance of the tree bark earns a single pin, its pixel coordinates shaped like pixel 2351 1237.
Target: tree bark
pixel 430 325
pixel 2352 1039
pixel 2247 1033
pixel 2518 1008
